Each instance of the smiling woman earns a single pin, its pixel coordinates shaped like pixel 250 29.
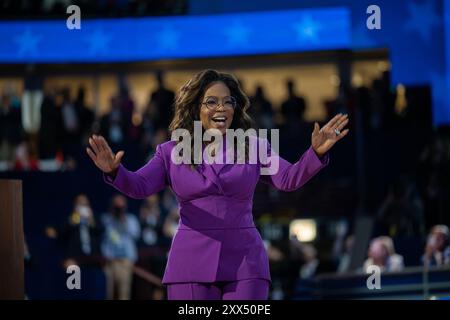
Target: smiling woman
pixel 211 115
pixel 211 94
pixel 217 252
pixel 216 99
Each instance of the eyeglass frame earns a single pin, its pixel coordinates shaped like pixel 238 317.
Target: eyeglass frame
pixel 221 103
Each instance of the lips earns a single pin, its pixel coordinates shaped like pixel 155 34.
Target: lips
pixel 219 119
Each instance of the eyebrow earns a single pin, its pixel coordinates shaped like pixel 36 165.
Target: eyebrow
pixel 218 97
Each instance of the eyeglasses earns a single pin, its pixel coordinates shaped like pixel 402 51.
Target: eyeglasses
pixel 212 103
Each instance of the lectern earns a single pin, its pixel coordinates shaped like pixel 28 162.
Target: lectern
pixel 11 240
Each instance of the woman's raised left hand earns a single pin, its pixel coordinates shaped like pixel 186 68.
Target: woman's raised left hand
pixel 322 139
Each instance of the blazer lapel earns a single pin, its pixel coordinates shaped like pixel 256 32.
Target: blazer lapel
pixel 212 172
pixel 208 172
pixel 219 167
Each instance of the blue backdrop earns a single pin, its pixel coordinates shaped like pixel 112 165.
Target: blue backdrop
pixel 175 37
pixel 414 32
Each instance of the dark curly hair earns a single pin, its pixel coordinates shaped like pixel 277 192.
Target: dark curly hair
pixel 190 96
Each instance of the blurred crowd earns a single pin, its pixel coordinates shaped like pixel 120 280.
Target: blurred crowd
pixel 378 114
pixel 303 261
pixel 407 180
pixel 128 249
pixel 66 123
pixel 44 9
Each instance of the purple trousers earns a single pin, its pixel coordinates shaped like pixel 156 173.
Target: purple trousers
pixel 249 289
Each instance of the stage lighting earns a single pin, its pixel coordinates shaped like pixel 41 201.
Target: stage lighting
pixel 304 229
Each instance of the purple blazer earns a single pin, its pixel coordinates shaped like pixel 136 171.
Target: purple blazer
pixel 216 238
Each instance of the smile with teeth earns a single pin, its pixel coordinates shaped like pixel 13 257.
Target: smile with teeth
pixel 219 119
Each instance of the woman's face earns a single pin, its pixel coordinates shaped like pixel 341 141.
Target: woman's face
pixel 216 110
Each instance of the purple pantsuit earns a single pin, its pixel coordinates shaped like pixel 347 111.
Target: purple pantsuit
pixel 248 289
pixel 216 239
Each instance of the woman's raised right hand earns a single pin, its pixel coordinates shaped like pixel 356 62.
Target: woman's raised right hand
pixel 103 156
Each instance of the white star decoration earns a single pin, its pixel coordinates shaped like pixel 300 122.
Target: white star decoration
pixel 27 42
pixel 168 39
pixel 237 34
pixel 307 30
pixel 98 41
pixel 422 19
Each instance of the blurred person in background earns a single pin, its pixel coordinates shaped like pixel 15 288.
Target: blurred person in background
pixel 151 252
pixel 294 107
pixel 161 135
pixel 150 139
pixel 127 106
pixel 25 157
pixel 161 104
pixel 434 181
pixel 80 236
pixel 51 128
pixel 10 128
pixel 71 121
pixel 171 223
pixel 344 101
pixel 437 249
pixel 71 128
pixel 122 230
pixel 118 123
pixel 169 202
pixel 150 221
pixel 295 130
pixel 113 125
pixel 310 262
pixel 342 247
pixel 384 99
pixel 344 258
pixel 85 114
pixel 401 213
pixel 277 262
pixel 261 109
pixel 340 232
pixel 381 253
pixel 81 239
pixel 300 265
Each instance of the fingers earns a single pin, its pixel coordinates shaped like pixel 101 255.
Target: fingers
pixel 118 157
pixel 316 128
pixel 99 142
pixel 342 124
pixel 105 144
pixel 91 155
pixel 94 145
pixel 343 134
pixel 332 122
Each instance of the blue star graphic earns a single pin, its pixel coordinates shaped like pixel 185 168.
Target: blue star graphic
pixel 237 34
pixel 307 30
pixel 27 42
pixel 98 41
pixel 422 19
pixel 168 39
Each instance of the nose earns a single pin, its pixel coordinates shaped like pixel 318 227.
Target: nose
pixel 219 104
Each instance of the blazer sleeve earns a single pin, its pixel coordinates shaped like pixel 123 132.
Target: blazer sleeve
pixel 290 177
pixel 149 179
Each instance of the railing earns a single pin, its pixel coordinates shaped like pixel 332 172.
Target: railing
pixel 414 283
